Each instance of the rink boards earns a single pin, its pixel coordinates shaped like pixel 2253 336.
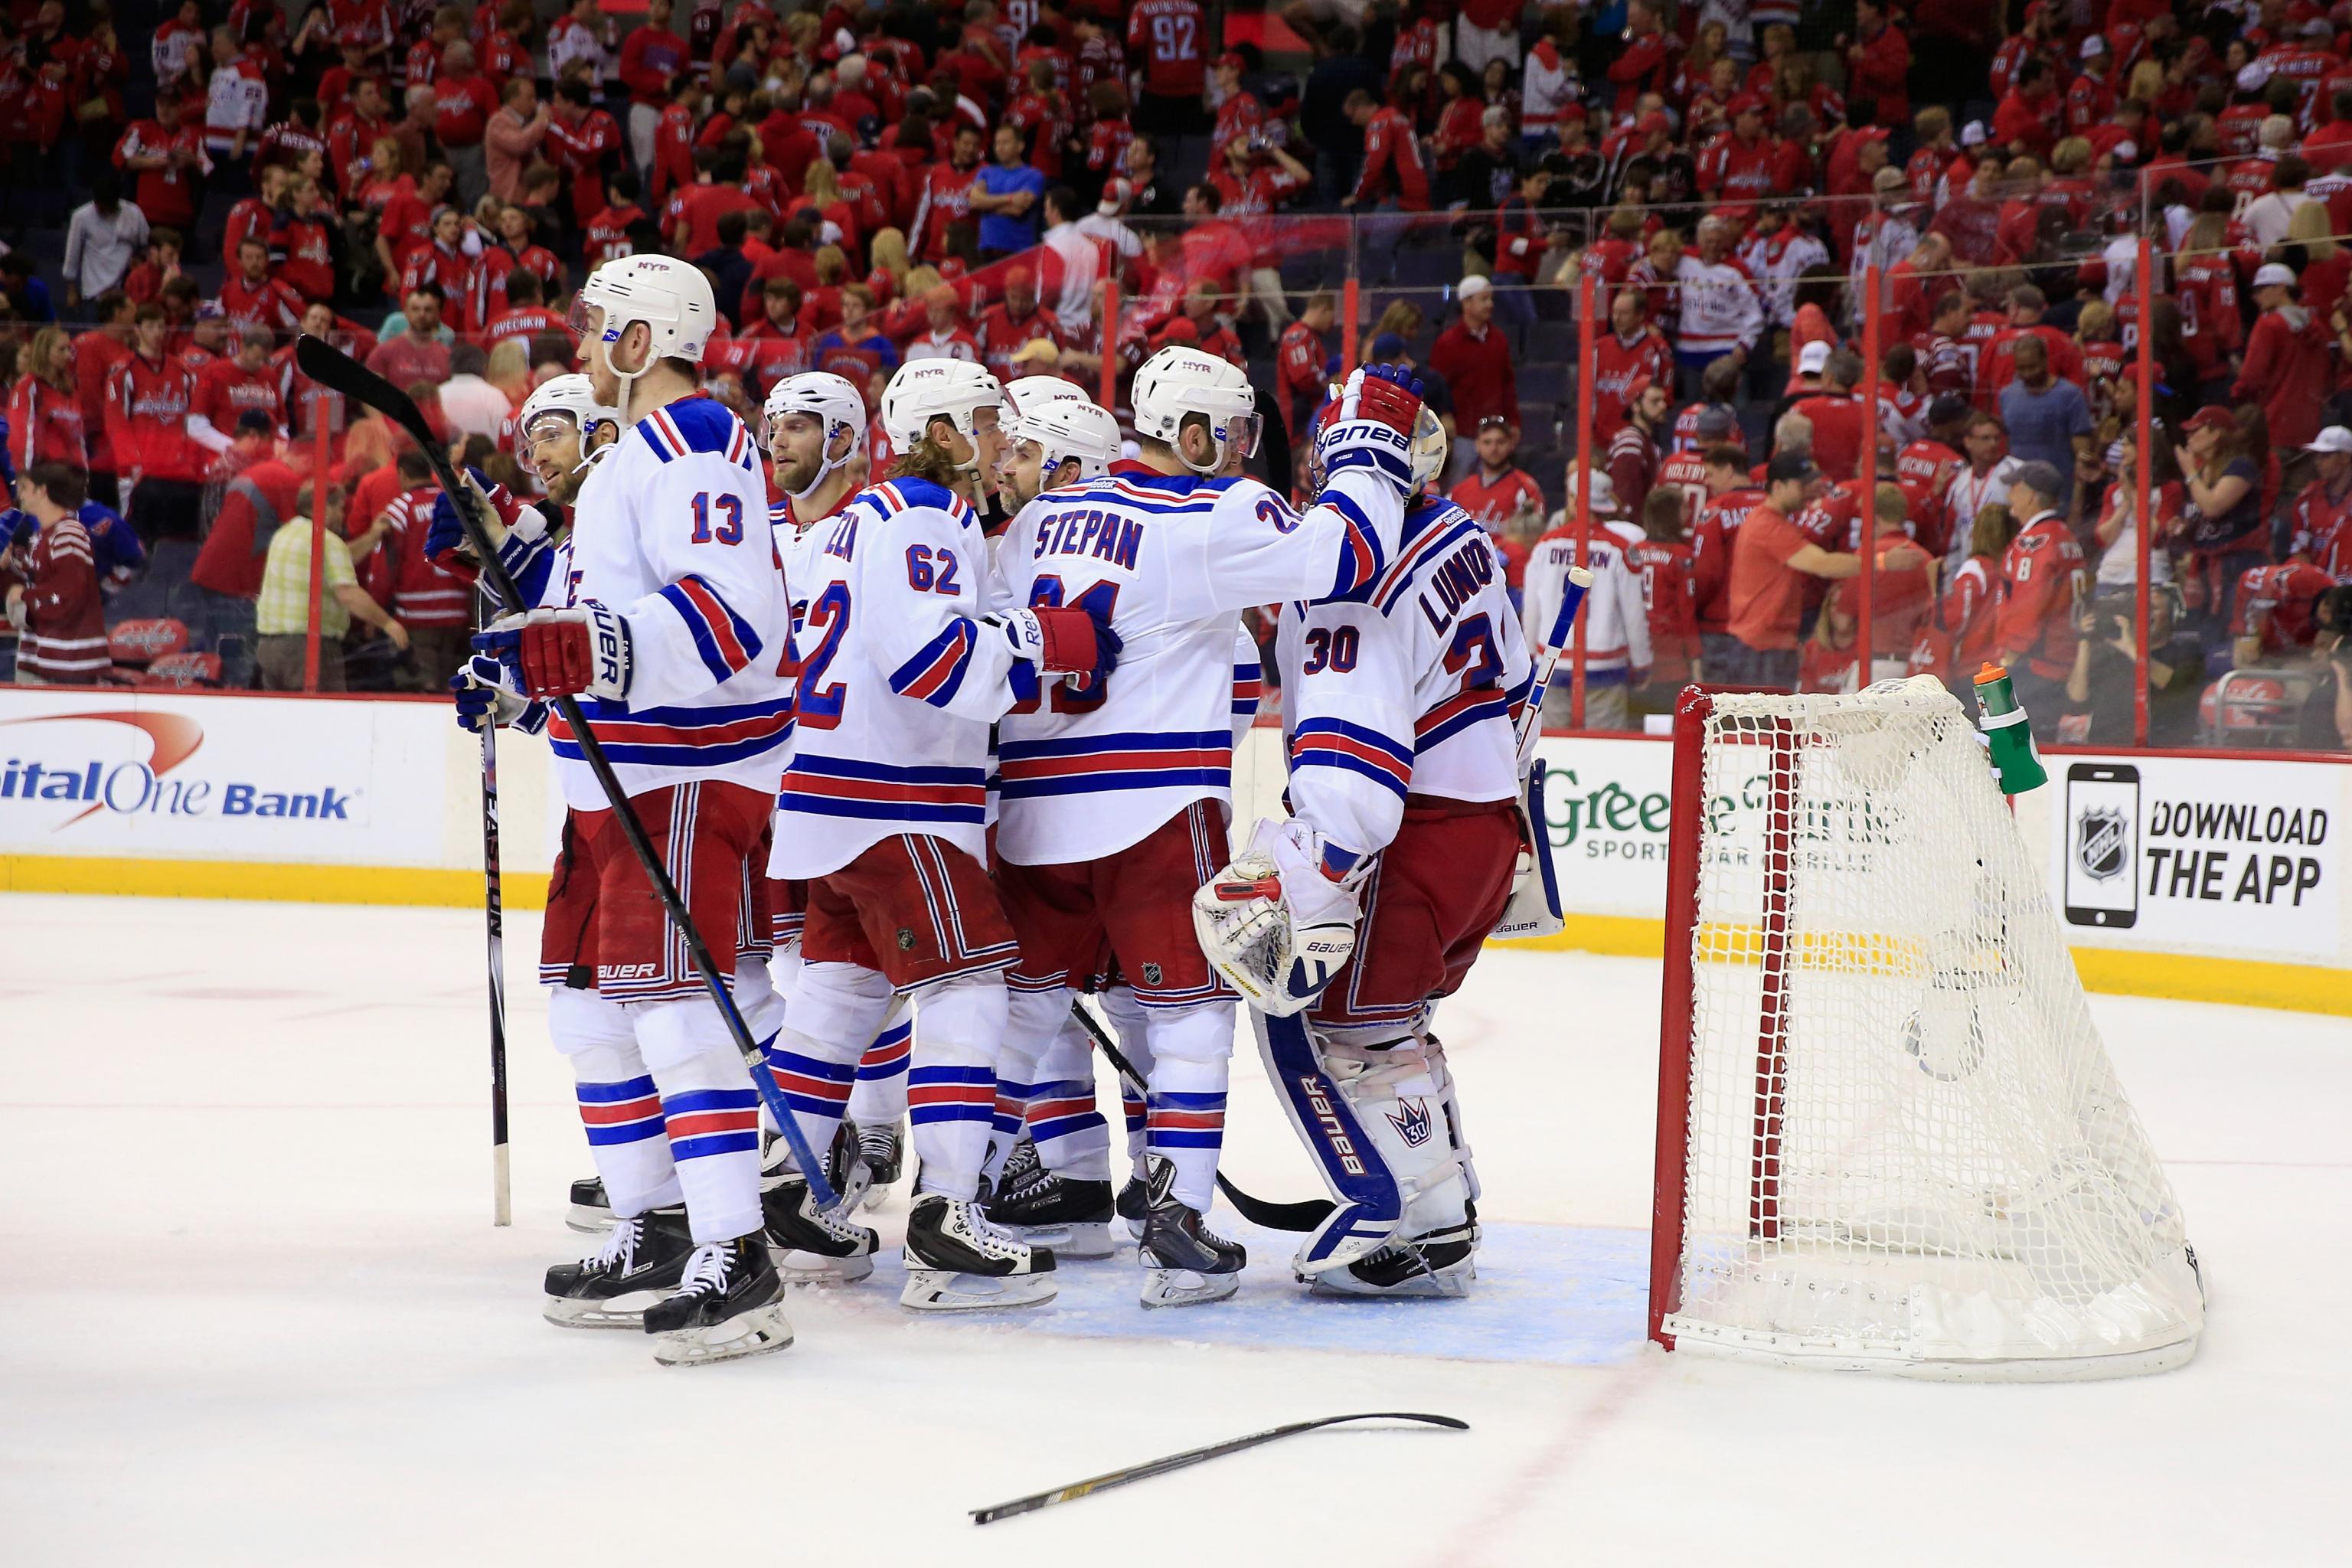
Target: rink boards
pixel 2206 878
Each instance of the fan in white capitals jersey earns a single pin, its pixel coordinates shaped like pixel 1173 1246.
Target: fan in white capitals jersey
pixel 1399 708
pixel 881 813
pixel 1112 804
pixel 666 625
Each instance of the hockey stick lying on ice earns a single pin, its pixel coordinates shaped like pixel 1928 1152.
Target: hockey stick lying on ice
pixel 1191 1456
pixel 1303 1216
pixel 333 369
pixel 1307 1214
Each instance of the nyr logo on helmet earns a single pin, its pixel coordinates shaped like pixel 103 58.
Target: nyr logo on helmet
pixel 1413 1121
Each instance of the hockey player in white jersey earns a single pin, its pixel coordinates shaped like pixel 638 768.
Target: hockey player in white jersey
pixel 881 809
pixel 667 624
pixel 1347 922
pixel 1113 804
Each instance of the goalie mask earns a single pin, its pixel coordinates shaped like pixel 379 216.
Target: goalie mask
pixel 828 399
pixel 1178 382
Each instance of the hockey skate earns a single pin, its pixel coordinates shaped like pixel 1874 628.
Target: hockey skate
pixel 1134 1204
pixel 958 1262
pixel 821 1246
pixel 1436 1263
pixel 592 1211
pixel 1184 1263
pixel 726 1308
pixel 642 1261
pixel 777 1164
pixel 1073 1218
pixel 1021 1166
pixel 884 1149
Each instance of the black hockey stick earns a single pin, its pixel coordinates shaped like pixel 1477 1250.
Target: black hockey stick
pixel 333 369
pixel 1190 1456
pixel 1301 1217
pixel 494 918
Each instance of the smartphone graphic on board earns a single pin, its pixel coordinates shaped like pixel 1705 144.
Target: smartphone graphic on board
pixel 2102 845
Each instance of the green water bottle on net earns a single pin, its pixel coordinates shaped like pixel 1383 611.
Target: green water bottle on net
pixel 2007 734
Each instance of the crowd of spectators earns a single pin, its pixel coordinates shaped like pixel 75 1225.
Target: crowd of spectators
pixel 1064 187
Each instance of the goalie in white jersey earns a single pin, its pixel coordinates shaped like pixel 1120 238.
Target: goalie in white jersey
pixel 881 812
pixel 667 624
pixel 1346 924
pixel 1113 803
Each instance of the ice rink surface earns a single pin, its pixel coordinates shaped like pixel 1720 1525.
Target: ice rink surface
pixel 253 1311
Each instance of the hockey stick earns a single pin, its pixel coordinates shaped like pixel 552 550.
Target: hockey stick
pixel 494 919
pixel 1191 1456
pixel 1303 1216
pixel 1571 599
pixel 333 369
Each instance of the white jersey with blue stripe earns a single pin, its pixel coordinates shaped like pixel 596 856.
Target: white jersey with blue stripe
pixel 898 680
pixel 667 531
pixel 1170 560
pixel 1413 689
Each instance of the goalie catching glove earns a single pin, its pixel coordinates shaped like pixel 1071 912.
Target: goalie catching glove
pixel 582 651
pixel 1372 426
pixel 1280 921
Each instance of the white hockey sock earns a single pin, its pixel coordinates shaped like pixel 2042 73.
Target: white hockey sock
pixel 712 1110
pixel 836 1009
pixel 1192 1049
pixel 619 1106
pixel 1126 1015
pixel 1032 1020
pixel 1072 1138
pixel 878 1099
pixel 762 1009
pixel 951 1088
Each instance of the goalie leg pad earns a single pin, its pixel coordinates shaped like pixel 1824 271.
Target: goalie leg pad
pixel 712 1112
pixel 1370 1206
pixel 619 1105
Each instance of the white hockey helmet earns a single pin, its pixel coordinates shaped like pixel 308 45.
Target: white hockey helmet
pixel 570 397
pixel 1179 381
pixel 928 389
pixel 829 399
pixel 672 297
pixel 1031 390
pixel 1071 428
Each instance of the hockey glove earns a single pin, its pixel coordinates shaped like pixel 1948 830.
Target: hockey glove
pixel 1076 643
pixel 582 651
pixel 1279 924
pixel 487 692
pixel 513 527
pixel 1373 425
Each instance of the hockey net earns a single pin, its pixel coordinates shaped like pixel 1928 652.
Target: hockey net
pixel 1888 1135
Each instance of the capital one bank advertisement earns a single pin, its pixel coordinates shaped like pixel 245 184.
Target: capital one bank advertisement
pixel 255 779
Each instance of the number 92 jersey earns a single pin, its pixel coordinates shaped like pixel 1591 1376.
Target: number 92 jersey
pixel 671 532
pixel 1411 688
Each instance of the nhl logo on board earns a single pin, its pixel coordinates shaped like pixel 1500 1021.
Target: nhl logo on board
pixel 2099 846
pixel 1151 975
pixel 1411 1120
pixel 906 939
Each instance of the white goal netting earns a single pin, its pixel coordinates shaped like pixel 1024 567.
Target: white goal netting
pixel 1905 1147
